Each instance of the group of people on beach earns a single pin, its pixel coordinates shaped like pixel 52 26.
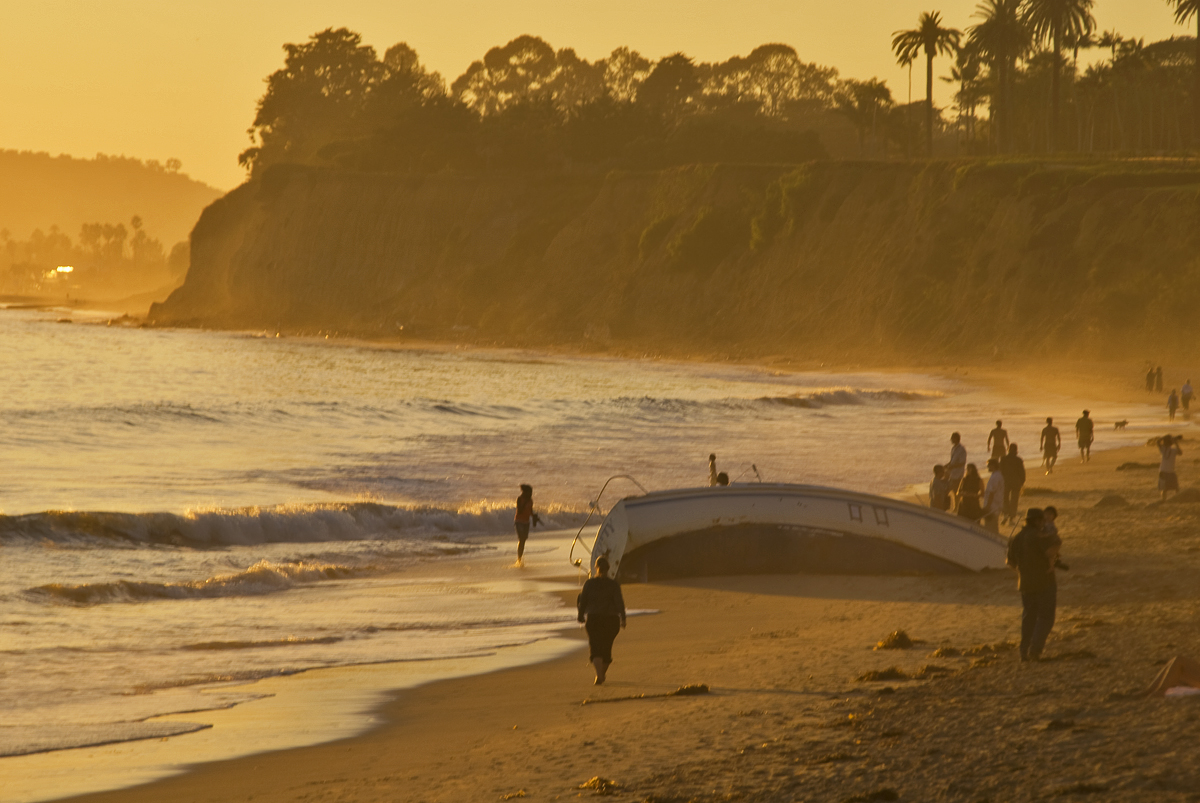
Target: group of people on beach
pixel 958 487
pixel 1176 399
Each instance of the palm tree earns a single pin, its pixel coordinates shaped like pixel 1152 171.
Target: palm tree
pixel 934 40
pixel 1184 10
pixel 1058 21
pixel 1112 40
pixel 1001 39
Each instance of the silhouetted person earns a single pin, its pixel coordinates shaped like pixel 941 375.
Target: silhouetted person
pixel 1033 553
pixel 958 461
pixel 1150 380
pixel 1172 405
pixel 1050 444
pixel 522 520
pixel 602 609
pixel 993 497
pixel 969 489
pixel 712 470
pixel 1185 395
pixel 722 479
pixel 1085 429
pixel 1013 469
pixel 939 489
pixel 1168 481
pixel 998 441
pixel 1158 379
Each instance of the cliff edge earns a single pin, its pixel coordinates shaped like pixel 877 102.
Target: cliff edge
pixel 883 259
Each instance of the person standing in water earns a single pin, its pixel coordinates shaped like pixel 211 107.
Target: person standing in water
pixel 1084 429
pixel 998 441
pixel 602 610
pixel 523 519
pixel 1051 443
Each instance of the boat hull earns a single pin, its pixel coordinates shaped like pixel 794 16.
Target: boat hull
pixel 777 528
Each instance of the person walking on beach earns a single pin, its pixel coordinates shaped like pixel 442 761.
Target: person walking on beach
pixel 939 489
pixel 969 490
pixel 712 470
pixel 1150 380
pixel 1185 396
pixel 1172 405
pixel 1158 380
pixel 1013 469
pixel 1033 552
pixel 1085 431
pixel 998 441
pixel 602 610
pixel 522 520
pixel 993 497
pixel 958 461
pixel 1050 444
pixel 1168 447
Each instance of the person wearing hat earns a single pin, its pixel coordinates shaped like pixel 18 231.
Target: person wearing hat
pixel 1033 552
pixel 1085 428
pixel 602 610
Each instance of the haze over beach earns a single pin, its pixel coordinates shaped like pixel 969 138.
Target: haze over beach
pixel 797 328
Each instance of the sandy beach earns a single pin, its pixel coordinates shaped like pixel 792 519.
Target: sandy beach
pixel 787 716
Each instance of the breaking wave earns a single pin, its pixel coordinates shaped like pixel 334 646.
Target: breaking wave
pixel 844 396
pixel 261 578
pixel 310 523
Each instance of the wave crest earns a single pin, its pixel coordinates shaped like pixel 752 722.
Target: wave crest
pixel 261 578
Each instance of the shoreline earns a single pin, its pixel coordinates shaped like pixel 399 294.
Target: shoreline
pixel 781 655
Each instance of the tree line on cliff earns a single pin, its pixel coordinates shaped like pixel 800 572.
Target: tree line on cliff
pixel 526 105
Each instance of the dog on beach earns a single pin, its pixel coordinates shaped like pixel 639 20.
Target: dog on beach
pixel 1119 426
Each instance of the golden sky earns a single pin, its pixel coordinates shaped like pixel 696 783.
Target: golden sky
pixel 158 79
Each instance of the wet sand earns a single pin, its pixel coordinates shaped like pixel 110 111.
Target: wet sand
pixel 786 718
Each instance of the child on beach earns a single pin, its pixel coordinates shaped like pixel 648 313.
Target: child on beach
pixel 939 489
pixel 602 610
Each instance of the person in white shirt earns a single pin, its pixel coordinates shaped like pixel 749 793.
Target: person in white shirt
pixel 958 460
pixel 1168 447
pixel 993 497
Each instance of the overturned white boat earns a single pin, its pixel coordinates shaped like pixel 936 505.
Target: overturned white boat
pixel 776 528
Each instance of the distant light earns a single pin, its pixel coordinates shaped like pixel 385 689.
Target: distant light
pixel 64 269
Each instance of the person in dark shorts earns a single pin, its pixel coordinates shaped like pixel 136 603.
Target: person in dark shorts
pixel 1172 405
pixel 1033 552
pixel 1050 444
pixel 998 441
pixel 602 609
pixel 1085 429
pixel 1012 468
pixel 523 519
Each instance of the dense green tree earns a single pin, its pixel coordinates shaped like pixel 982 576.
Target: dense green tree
pixel 521 71
pixel 865 105
pixel 623 72
pixel 1184 11
pixel 315 97
pixel 933 40
pixel 672 88
pixel 1000 39
pixel 1056 22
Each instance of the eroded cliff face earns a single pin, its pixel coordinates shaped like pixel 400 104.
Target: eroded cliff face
pixel 931 261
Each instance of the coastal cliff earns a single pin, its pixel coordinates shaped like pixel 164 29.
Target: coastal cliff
pixel 886 259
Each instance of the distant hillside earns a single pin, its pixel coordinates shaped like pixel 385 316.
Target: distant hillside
pixel 880 260
pixel 38 191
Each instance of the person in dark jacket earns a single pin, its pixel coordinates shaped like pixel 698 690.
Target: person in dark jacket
pixel 1033 552
pixel 602 608
pixel 1012 468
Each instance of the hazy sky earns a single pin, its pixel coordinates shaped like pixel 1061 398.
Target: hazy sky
pixel 156 79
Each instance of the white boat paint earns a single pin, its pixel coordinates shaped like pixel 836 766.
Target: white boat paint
pixel 637 521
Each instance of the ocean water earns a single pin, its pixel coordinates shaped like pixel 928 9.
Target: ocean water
pixel 184 511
